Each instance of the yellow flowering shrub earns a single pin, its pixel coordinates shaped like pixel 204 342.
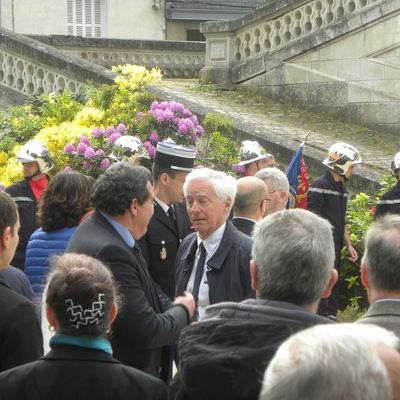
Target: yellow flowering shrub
pixel 135 77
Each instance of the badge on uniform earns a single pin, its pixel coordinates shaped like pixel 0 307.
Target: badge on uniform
pixel 163 251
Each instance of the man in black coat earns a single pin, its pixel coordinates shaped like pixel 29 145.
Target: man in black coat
pixel 327 197
pixel 213 262
pixel 170 223
pixel 390 200
pixel 149 320
pixel 250 203
pixel 224 356
pixel 20 334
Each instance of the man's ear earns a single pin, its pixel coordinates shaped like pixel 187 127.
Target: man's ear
pixel 364 276
pixel 5 237
pixel 332 280
pixel 228 205
pixel 164 179
pixel 134 207
pixel 254 276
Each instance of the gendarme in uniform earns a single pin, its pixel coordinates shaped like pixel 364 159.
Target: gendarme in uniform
pixel 170 222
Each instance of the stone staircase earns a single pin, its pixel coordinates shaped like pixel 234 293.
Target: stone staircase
pixel 339 56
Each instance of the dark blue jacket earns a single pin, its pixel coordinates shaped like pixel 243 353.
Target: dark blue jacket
pixel 389 202
pixel 23 195
pixel 328 199
pixel 228 270
pixel 40 246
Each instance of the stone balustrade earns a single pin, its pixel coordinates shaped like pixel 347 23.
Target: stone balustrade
pixel 272 34
pixel 175 59
pixel 277 25
pixel 28 67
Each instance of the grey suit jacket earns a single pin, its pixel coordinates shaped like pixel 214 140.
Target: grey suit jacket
pixel 385 314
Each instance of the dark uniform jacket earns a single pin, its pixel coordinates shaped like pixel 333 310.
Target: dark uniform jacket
pixel 148 319
pixel 228 270
pixel 224 356
pixel 161 243
pixel 20 334
pixel 389 201
pixel 328 199
pixel 23 195
pixel 243 225
pixel 71 372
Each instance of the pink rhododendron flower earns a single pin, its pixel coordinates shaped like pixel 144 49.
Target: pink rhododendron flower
pixel 105 163
pixel 138 116
pixel 68 169
pixel 100 153
pixel 110 131
pixel 182 129
pixel 121 128
pixel 81 148
pixel 69 148
pixel 150 149
pixel 89 153
pixel 98 132
pixel 85 139
pixel 154 138
pixel 114 137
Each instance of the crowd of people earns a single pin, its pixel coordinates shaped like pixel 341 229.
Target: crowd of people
pixel 184 283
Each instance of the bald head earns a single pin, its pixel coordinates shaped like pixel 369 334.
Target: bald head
pixel 250 198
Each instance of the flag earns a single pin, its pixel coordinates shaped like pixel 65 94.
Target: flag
pixel 298 180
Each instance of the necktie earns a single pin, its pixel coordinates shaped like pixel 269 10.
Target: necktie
pixel 199 271
pixel 138 250
pixel 171 215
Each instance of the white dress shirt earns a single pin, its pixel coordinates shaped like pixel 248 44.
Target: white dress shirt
pixel 211 244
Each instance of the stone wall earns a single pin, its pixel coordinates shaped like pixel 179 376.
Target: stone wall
pixel 29 67
pixel 176 59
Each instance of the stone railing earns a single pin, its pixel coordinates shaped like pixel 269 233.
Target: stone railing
pixel 29 67
pixel 175 59
pixel 275 26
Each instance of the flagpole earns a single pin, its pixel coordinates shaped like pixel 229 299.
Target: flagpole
pixel 305 138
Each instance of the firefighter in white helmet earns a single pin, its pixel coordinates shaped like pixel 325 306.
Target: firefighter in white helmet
pixel 253 157
pixel 327 197
pixel 36 163
pixel 390 200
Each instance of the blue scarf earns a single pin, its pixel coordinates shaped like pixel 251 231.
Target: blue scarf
pixel 89 342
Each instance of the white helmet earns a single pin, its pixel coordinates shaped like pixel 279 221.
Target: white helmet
pixel 341 157
pixel 36 151
pixel 251 151
pixel 395 163
pixel 129 148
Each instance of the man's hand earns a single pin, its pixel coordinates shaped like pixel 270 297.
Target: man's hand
pixel 353 253
pixel 188 301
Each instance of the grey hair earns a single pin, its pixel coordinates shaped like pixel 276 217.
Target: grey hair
pixel 294 253
pixel 382 255
pixel 224 185
pixel 278 179
pixel 331 362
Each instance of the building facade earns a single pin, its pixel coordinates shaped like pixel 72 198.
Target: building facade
pixel 119 19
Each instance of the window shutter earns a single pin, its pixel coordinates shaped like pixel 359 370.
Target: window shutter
pixel 84 17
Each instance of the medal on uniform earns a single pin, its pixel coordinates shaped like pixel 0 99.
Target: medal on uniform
pixel 163 251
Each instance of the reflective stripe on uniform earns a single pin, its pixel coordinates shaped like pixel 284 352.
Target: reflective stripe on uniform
pixel 396 201
pixel 23 199
pixel 326 191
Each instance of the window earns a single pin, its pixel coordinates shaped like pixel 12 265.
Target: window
pixel 84 18
pixel 195 35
